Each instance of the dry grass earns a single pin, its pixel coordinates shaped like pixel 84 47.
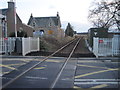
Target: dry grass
pixel 52 44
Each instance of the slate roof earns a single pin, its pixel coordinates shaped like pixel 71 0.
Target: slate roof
pixel 4 11
pixel 44 21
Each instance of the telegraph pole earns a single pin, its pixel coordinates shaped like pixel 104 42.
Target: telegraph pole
pixel 15 19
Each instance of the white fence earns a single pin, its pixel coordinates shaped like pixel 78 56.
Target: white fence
pixel 106 46
pixel 29 45
pixel 7 45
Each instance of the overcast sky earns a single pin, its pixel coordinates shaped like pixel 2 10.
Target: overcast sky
pixel 73 11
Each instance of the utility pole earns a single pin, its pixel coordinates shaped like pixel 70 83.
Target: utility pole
pixel 15 19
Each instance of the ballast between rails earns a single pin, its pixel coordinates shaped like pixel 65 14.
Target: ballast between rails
pixel 17 77
pixel 71 53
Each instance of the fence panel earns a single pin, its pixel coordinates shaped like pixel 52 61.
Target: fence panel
pixel 2 45
pixel 106 46
pixel 34 44
pixel 11 44
pixel 95 46
pixel 7 45
pixel 29 45
pixel 25 46
pixel 116 45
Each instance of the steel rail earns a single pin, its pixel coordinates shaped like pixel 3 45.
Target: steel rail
pixel 11 81
pixel 64 65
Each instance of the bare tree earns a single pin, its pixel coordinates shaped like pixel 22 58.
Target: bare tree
pixel 105 13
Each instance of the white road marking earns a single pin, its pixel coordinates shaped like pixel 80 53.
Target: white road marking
pixel 64 79
pixel 6 78
pixel 86 61
pixel 79 83
pixel 79 80
pixel 30 77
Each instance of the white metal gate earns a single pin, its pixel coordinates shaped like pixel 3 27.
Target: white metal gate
pixel 106 46
pixel 7 45
pixel 116 45
pixel 30 44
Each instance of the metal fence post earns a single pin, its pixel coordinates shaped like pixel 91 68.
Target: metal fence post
pixel 38 43
pixel 23 46
pixel 6 46
pixel 95 46
pixel 30 44
pixel 116 45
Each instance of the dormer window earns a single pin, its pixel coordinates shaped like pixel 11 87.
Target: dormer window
pixel 50 24
pixel 33 24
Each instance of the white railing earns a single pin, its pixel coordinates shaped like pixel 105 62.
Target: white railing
pixel 116 45
pixel 106 46
pixel 30 44
pixel 7 45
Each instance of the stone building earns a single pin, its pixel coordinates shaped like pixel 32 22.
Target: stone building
pixel 47 26
pixel 14 23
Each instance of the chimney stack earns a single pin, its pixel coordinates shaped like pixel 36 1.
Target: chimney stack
pixel 12 17
pixel 11 4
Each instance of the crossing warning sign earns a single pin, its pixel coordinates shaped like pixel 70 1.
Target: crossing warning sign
pixel 100 41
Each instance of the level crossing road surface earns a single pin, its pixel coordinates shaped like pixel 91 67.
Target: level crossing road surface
pixel 92 73
pixel 78 73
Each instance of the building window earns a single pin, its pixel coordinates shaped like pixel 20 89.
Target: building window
pixel 38 33
pixel 50 24
pixel 41 32
pixel 33 24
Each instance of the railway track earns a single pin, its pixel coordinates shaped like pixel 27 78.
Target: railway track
pixel 81 51
pixel 16 76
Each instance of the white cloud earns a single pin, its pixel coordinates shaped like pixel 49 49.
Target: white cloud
pixel 69 10
pixel 77 26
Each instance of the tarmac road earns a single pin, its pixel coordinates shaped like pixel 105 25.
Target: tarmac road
pixel 79 73
pixel 97 74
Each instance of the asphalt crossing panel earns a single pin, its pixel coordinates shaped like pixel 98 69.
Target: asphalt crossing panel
pixel 96 74
pixel 41 76
pixel 79 73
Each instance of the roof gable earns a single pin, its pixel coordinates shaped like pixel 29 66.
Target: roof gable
pixel 44 21
pixel 4 11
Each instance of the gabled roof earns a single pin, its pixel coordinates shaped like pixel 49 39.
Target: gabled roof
pixel 43 21
pixel 4 11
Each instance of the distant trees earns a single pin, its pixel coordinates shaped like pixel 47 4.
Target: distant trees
pixel 69 30
pixel 105 13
